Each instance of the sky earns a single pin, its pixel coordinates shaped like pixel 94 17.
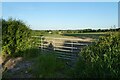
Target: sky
pixel 63 15
pixel 59 0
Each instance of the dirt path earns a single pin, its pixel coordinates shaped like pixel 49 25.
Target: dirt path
pixel 17 68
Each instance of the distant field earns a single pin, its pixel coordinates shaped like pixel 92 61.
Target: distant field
pixel 93 35
pixel 87 35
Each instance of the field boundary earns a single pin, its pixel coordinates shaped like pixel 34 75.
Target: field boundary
pixel 64 47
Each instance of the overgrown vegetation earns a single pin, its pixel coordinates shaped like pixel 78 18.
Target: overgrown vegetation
pixel 48 66
pixel 45 65
pixel 101 60
pixel 15 36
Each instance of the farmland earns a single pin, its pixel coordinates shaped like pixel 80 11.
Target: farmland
pixel 25 56
pixel 60 39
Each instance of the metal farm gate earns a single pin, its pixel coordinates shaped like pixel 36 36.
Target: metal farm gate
pixel 65 48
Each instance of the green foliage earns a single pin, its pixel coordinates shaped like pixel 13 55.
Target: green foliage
pixel 15 36
pixel 31 53
pixel 47 66
pixel 101 60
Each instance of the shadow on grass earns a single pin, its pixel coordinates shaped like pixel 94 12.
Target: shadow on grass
pixel 28 53
pixel 44 65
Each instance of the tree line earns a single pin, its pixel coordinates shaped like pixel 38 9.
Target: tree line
pixel 74 31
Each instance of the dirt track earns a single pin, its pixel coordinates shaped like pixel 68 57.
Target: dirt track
pixel 61 41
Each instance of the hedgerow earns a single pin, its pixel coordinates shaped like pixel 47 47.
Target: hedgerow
pixel 100 60
pixel 15 36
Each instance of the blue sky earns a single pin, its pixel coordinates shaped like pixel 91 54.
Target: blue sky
pixel 63 15
pixel 60 0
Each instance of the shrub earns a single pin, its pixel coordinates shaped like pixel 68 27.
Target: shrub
pixel 100 60
pixel 15 36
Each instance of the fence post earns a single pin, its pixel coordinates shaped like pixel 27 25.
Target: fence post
pixel 72 46
pixel 41 43
pixel 54 44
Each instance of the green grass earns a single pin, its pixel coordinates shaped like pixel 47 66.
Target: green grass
pixel 45 65
pixel 53 35
pixel 87 35
pixel 94 35
pixel 48 66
